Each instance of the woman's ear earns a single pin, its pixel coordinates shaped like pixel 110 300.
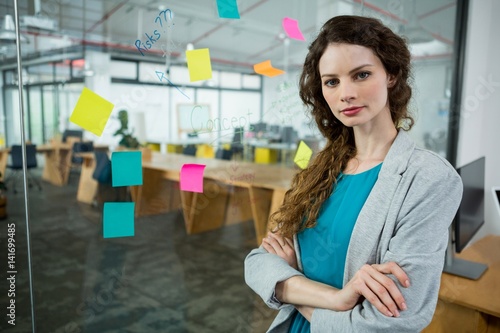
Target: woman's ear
pixel 391 81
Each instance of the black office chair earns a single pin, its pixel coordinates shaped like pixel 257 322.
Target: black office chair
pixel 103 175
pixel 81 147
pixel 223 154
pixel 102 171
pixel 16 154
pixel 72 133
pixel 237 143
pixel 189 150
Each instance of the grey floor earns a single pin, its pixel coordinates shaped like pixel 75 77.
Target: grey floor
pixel 160 280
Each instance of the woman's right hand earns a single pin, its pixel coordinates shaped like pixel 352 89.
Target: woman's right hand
pixel 372 283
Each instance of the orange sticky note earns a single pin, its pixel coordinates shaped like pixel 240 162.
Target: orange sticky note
pixel 191 177
pixel 265 68
pixel 303 155
pixel 199 65
pixel 91 112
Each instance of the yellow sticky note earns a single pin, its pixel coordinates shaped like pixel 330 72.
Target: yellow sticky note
pixel 91 112
pixel 303 155
pixel 199 65
pixel 265 68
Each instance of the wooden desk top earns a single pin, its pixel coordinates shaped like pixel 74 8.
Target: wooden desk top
pixel 244 174
pixel 483 294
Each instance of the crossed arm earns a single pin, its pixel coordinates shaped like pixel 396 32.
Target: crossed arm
pixel 370 283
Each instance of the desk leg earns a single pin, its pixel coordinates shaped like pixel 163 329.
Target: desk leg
pixel 87 186
pixel 451 317
pixel 156 195
pixel 238 209
pixel 204 211
pixel 65 164
pixel 493 324
pixel 264 202
pixel 51 170
pixel 260 201
pixel 4 155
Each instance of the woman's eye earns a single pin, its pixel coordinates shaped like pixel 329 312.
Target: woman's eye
pixel 363 75
pixel 331 82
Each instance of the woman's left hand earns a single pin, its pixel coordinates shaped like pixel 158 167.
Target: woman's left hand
pixel 282 247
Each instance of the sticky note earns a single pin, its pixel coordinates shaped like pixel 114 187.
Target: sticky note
pixel 292 29
pixel 91 112
pixel 228 9
pixel 192 177
pixel 199 65
pixel 303 155
pixel 126 168
pixel 118 219
pixel 265 68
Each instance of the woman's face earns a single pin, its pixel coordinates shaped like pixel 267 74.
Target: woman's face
pixel 354 84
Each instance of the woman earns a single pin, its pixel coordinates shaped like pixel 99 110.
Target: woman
pixel 359 242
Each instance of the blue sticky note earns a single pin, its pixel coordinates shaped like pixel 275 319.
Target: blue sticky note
pixel 228 9
pixel 126 168
pixel 118 219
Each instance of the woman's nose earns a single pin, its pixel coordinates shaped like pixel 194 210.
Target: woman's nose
pixel 347 92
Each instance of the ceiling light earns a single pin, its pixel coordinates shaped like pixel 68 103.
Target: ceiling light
pixel 413 31
pixel 8 31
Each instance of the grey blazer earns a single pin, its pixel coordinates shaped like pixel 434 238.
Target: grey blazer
pixel 405 219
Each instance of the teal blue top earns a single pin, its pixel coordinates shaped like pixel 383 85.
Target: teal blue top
pixel 324 247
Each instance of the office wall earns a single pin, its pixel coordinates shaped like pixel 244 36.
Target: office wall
pixel 480 120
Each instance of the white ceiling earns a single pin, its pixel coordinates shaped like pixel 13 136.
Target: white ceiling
pixel 256 37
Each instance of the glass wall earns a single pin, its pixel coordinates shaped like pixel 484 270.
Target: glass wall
pixel 166 278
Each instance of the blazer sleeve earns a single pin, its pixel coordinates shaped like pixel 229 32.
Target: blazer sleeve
pixel 263 270
pixel 418 245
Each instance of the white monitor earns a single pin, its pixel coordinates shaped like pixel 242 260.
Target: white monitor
pixel 496 197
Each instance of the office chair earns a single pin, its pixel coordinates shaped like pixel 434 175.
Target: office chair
pixel 102 171
pixel 16 153
pixel 237 143
pixel 81 147
pixel 72 133
pixel 189 150
pixel 223 154
pixel 103 175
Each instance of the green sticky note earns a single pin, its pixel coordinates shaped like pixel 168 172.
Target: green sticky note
pixel 303 155
pixel 228 9
pixel 91 112
pixel 199 65
pixel 126 168
pixel 118 219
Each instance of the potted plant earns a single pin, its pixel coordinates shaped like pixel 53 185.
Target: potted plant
pixel 3 199
pixel 128 140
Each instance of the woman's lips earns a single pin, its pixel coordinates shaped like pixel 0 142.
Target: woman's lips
pixel 352 111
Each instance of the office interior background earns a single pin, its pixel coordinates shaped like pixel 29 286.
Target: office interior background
pixel 68 45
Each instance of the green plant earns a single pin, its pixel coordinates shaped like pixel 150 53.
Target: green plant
pixel 128 139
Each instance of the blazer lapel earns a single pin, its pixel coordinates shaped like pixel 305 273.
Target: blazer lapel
pixel 371 220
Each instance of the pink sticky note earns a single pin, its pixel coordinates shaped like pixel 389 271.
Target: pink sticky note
pixel 192 177
pixel 292 29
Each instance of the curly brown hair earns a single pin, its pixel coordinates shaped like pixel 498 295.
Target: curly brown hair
pixel 313 185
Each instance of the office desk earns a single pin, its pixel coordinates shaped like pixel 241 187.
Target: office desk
pixel 4 156
pixel 57 157
pixel 251 191
pixel 471 305
pixel 58 161
pixel 87 186
pixel 267 153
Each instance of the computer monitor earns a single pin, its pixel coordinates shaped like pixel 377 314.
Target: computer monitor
pixel 259 127
pixel 468 220
pixel 496 198
pixel 72 133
